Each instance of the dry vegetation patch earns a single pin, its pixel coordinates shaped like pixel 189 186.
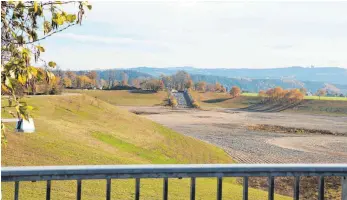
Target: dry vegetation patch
pixel 284 129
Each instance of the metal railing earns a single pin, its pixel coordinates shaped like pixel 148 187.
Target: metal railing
pixel 192 171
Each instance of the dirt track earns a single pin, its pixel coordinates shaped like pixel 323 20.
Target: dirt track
pixel 228 129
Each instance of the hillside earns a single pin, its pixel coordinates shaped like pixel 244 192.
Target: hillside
pixel 255 85
pixel 81 130
pixel 125 97
pixel 333 75
pixel 253 80
pixel 223 100
pixel 310 105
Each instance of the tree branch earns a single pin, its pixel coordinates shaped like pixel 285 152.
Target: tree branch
pixel 46 36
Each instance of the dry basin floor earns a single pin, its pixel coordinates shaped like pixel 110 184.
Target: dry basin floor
pixel 316 139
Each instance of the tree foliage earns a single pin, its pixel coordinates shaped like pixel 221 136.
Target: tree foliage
pixel 136 83
pixel 218 87
pixel 200 86
pixel 152 84
pixel 235 91
pixel 125 79
pixel 23 25
pixel 321 92
pixel 181 80
pixel 278 95
pixel 67 82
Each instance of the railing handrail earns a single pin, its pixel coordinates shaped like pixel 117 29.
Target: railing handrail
pixel 36 173
pixel 192 171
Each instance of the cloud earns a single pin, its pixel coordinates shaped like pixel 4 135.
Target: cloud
pixel 107 40
pixel 94 38
pixel 282 46
pixel 207 34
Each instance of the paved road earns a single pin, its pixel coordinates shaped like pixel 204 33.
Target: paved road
pixel 228 129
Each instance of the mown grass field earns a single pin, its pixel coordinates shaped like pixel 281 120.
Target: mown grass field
pixel 327 98
pixel 124 97
pixel 325 106
pixel 223 100
pixel 83 130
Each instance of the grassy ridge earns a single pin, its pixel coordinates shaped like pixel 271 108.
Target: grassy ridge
pixel 82 130
pixel 311 106
pixel 223 100
pixel 124 97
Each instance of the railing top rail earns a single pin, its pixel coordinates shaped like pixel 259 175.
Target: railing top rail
pixel 175 170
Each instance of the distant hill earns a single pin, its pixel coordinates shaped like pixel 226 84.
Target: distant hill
pixel 252 80
pixel 332 75
pixel 331 78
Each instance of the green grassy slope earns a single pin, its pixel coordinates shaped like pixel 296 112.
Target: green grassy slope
pixel 222 100
pixel 82 130
pixel 325 106
pixel 124 97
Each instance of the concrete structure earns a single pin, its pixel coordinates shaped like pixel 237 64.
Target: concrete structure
pixel 22 125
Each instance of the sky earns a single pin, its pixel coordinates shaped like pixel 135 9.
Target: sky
pixel 204 35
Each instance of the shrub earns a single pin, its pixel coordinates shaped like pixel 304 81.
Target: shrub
pixel 195 104
pixel 279 95
pixel 235 91
pixel 56 89
pixel 172 101
pixel 152 84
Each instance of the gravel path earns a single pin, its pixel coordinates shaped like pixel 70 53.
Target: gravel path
pixel 228 129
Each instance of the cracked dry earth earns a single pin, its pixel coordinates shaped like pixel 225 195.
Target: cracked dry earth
pixel 227 129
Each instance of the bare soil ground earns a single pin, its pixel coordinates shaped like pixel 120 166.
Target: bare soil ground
pixel 262 137
pixel 286 138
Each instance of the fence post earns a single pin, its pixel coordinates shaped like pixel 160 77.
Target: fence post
pixel 344 187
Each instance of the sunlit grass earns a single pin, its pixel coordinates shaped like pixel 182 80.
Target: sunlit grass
pixel 248 94
pixel 326 98
pixel 125 98
pixel 306 97
pixel 223 100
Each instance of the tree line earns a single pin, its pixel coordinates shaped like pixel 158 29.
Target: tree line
pixel 55 82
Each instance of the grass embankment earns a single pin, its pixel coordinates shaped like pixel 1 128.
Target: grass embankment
pixel 124 97
pixel 82 130
pixel 223 100
pixel 326 106
pixel 333 107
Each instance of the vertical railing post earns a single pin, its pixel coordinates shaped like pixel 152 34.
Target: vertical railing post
pixel 344 187
pixel 245 188
pixel 165 188
pixel 137 188
pixel 16 190
pixel 219 188
pixel 48 190
pixel 79 189
pixel 296 187
pixel 321 188
pixel 192 188
pixel 108 189
pixel 271 189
